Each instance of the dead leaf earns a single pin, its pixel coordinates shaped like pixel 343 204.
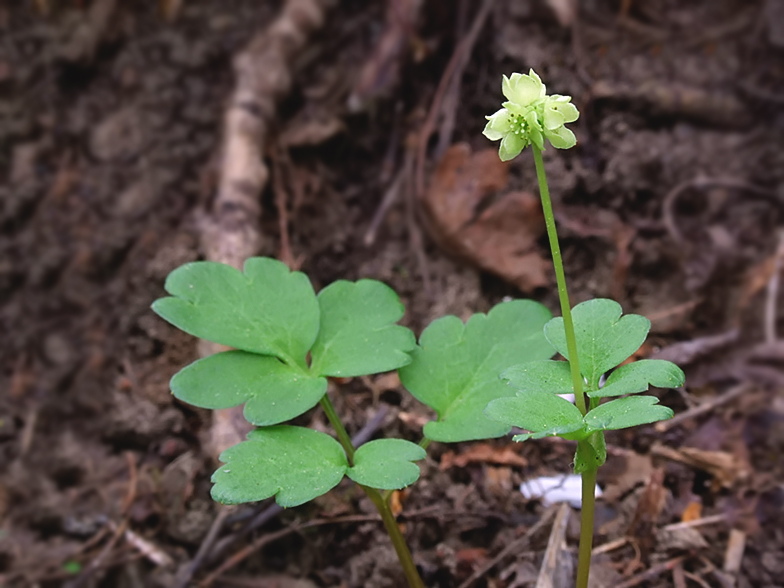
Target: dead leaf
pixel 500 239
pixel 692 512
pixel 564 10
pixel 725 467
pixel 648 510
pixel 308 129
pixel 483 453
pixel 636 470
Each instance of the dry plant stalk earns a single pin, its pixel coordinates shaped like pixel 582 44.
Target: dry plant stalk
pixel 231 234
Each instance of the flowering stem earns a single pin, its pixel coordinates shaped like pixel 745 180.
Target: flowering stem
pixel 589 477
pixel 563 295
pixel 379 501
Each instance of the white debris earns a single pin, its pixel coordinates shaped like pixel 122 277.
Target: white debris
pixel 555 489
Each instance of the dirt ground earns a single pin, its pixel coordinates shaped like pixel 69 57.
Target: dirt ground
pixel 111 126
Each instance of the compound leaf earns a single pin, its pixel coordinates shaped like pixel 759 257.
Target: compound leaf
pixel 293 464
pixel 604 337
pixel 272 391
pixel 542 413
pixel 636 377
pixel 267 309
pixel 386 464
pixel 358 334
pixel 540 376
pixel 455 368
pixel 626 412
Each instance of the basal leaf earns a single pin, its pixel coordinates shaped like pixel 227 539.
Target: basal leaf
pixel 590 454
pixel 358 334
pixel 455 369
pixel 267 309
pixel 604 337
pixel 293 464
pixel 542 413
pixel 272 391
pixel 540 376
pixel 626 412
pixel 636 377
pixel 386 464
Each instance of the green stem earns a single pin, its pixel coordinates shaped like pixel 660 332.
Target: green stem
pixel 398 541
pixel 588 478
pixel 586 528
pixel 390 524
pixel 560 277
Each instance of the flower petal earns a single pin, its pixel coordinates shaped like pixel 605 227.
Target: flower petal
pixel 563 105
pixel 523 90
pixel 511 146
pixel 552 118
pixel 561 138
pixel 497 125
pixel 534 129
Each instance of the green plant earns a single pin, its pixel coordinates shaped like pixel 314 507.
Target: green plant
pixel 594 337
pixel 287 340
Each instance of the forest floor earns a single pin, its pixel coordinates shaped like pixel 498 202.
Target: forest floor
pixel 111 122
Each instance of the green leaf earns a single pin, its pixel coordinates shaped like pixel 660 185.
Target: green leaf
pixel 358 334
pixel 604 338
pixel 273 391
pixel 590 454
pixel 626 412
pixel 293 464
pixel 455 369
pixel 540 376
pixel 542 413
pixel 267 309
pixel 636 377
pixel 386 464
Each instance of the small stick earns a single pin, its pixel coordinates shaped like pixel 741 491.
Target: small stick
pixel 652 572
pixel 678 577
pixel 719 518
pixel 514 546
pixel 555 546
pixel 703 408
pixel 668 206
pixel 610 546
pixel 771 300
pixel 733 557
pixel 97 563
pixel 184 577
pixel 390 196
pixel 697 579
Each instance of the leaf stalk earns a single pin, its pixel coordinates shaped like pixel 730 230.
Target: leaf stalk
pixel 379 501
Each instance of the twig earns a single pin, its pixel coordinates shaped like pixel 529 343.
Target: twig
pixel 390 196
pixel 264 539
pixel 651 572
pixel 149 550
pixel 97 563
pixel 231 233
pixel 456 65
pixel 703 408
pixel 514 546
pixel 610 546
pixel 184 577
pixel 668 206
pixel 132 482
pixel 697 579
pixel 719 518
pixel 771 300
pixel 553 553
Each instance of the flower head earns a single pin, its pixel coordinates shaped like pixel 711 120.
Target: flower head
pixel 530 116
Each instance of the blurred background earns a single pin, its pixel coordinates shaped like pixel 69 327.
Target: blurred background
pixel 344 138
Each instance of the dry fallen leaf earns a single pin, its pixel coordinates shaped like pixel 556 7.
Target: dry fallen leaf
pixel 483 453
pixel 497 236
